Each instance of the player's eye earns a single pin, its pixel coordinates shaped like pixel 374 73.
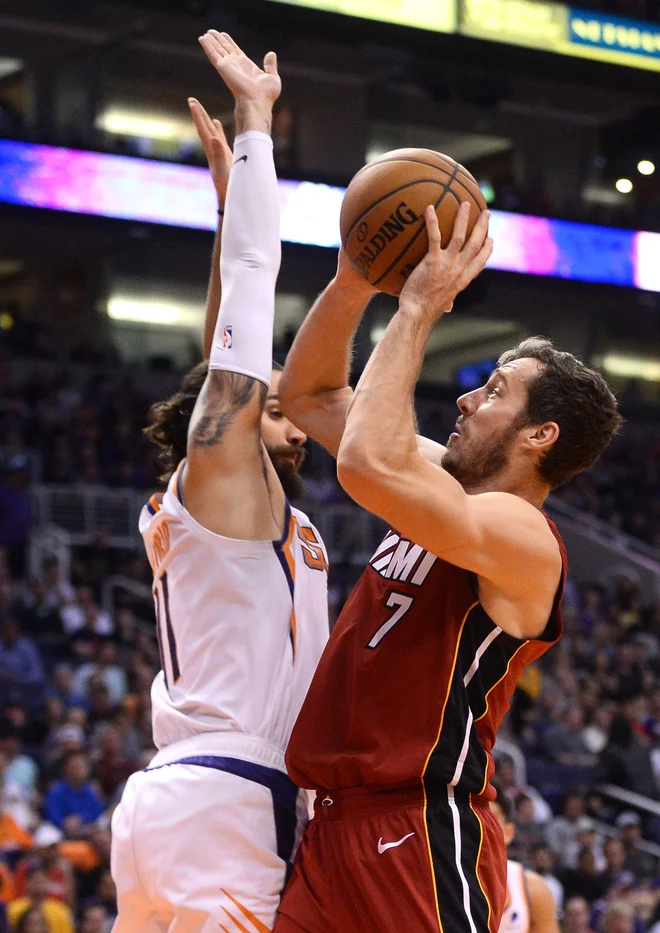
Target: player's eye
pixel 275 413
pixel 494 391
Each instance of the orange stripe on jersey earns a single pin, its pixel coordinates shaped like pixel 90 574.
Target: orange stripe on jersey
pixel 428 757
pixel 481 842
pixel 258 925
pixel 154 503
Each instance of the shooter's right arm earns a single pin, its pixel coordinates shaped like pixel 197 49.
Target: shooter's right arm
pixel 314 389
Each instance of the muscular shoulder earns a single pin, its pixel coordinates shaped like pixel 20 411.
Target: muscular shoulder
pixel 541 903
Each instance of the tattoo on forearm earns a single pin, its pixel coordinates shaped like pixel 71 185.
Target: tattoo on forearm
pixel 223 396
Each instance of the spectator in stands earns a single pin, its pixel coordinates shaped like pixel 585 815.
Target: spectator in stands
pixel 32 921
pixel 564 741
pixel 58 592
pixel 96 562
pixel 596 733
pixel 72 804
pixel 93 917
pixel 106 667
pixel 626 760
pixel 61 686
pixel 37 616
pixel 615 857
pixel 528 833
pixel 112 769
pixel 583 880
pixel 563 829
pixel 13 799
pixel 61 882
pixel 21 669
pixel 100 705
pixel 543 863
pixel 93 879
pixel 14 840
pixel 85 615
pixel 57 915
pixel 618 917
pixel 576 916
pixel 506 776
pixel 21 768
pixel 639 863
pixel 585 839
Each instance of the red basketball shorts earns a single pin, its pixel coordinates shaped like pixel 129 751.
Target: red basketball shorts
pixel 388 860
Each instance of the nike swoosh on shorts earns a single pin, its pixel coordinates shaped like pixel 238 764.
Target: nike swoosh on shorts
pixel 384 846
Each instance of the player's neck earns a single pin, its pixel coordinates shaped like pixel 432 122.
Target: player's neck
pixel 514 481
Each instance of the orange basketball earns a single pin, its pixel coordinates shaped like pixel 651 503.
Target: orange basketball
pixel 382 217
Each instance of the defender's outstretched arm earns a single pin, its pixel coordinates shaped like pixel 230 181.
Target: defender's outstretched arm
pixel 219 157
pixel 226 479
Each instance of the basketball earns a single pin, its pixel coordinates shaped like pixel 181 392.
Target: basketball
pixel 382 216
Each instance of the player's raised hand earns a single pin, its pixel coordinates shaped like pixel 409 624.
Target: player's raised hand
pixel 245 80
pixel 443 273
pixel 216 148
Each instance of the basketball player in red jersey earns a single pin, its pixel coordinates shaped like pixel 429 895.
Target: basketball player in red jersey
pixel 398 725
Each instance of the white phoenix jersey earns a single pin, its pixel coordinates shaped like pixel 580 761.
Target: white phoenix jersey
pixel 241 627
pixel 517 916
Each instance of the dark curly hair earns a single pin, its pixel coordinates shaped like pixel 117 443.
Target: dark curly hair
pixel 169 420
pixel 576 398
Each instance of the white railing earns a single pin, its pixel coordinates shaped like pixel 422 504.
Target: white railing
pixel 81 511
pixel 351 534
pixel 50 541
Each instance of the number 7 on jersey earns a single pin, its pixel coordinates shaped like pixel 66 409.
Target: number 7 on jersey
pixel 401 604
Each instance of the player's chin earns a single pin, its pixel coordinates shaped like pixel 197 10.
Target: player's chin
pixel 290 479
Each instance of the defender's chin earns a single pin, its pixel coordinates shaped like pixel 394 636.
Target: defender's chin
pixel 290 478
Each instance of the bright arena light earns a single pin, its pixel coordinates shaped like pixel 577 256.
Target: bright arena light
pixel 624 185
pixel 646 167
pixel 632 367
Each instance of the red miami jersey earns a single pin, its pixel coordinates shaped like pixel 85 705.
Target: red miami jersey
pixel 414 681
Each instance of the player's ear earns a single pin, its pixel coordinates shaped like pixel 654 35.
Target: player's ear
pixel 540 438
pixel 509 833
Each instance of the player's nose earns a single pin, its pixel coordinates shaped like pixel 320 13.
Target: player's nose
pixel 467 403
pixel 294 435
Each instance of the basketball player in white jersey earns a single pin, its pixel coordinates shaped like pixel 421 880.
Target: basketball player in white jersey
pixel 530 906
pixel 202 838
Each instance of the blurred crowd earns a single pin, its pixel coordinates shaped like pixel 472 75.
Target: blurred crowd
pixel 74 724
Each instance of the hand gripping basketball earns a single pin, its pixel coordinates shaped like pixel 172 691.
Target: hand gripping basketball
pixel 443 273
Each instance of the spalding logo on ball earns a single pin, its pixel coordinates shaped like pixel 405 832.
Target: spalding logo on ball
pixel 382 217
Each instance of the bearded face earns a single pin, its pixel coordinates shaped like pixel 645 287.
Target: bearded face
pixel 472 459
pixel 287 461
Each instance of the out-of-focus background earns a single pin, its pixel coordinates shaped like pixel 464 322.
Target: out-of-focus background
pixel 106 220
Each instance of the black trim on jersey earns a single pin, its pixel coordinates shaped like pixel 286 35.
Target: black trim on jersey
pixel 471 699
pixel 441 828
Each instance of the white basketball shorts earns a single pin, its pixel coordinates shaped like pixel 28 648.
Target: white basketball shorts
pixel 198 847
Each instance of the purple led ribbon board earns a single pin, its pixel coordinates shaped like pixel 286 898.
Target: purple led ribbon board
pixel 144 190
